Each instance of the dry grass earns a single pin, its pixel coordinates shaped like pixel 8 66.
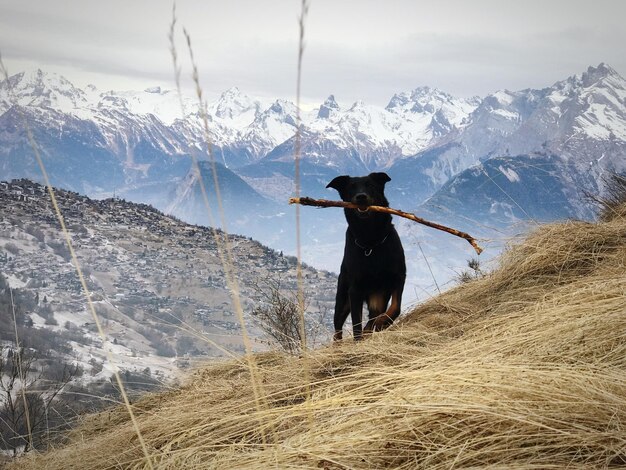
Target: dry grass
pixel 525 368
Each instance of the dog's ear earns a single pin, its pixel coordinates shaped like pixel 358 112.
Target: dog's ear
pixel 339 183
pixel 380 178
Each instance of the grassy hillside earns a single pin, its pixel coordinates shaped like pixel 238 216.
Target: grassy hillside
pixel 525 368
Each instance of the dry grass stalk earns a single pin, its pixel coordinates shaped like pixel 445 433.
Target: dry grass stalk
pixel 79 272
pixel 612 203
pixel 307 201
pixel 221 239
pixel 523 368
pixel 304 9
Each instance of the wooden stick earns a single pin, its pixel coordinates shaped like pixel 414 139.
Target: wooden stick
pixel 307 201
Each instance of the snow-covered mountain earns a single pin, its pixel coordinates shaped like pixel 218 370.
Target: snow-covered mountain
pixel 581 119
pixel 363 137
pixel 245 129
pixel 488 159
pixel 39 89
pixel 531 154
pixel 136 143
pixel 428 114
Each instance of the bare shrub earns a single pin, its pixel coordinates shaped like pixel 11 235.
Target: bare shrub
pixel 29 391
pixel 278 315
pixel 474 271
pixel 60 249
pixel 11 248
pixel 610 201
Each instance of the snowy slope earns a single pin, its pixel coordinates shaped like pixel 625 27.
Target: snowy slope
pixel 40 89
pixel 245 129
pixel 580 119
pixel 365 137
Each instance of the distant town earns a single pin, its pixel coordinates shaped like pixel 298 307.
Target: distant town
pixel 157 284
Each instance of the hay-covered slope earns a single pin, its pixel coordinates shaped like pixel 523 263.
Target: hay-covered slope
pixel 525 368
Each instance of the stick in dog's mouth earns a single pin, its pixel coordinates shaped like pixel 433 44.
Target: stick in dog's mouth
pixel 307 201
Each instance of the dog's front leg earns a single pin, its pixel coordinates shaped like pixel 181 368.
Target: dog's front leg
pixel 356 312
pixel 342 308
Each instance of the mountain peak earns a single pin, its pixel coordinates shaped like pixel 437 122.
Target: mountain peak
pixel 417 98
pixel 47 89
pixel 328 107
pixel 424 91
pixel 331 102
pixel 30 76
pixel 37 78
pixel 282 107
pixel 602 69
pixel 357 104
pixel 397 100
pixel 232 103
pixel 231 92
pixel 595 74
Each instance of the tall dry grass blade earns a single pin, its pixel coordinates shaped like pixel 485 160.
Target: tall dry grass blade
pixel 20 370
pixel 511 199
pixel 177 74
pixel 297 151
pixel 429 268
pixel 222 242
pixel 174 54
pixel 304 10
pixel 79 272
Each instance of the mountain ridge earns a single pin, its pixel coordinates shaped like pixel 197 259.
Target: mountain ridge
pixel 575 126
pixel 237 120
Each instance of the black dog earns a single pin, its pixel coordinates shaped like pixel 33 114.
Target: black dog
pixel 373 268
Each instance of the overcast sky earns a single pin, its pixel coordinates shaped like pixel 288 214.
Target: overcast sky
pixel 355 49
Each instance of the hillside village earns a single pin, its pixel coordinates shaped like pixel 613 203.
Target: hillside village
pixel 157 284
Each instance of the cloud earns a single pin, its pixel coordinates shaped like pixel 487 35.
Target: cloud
pixel 358 50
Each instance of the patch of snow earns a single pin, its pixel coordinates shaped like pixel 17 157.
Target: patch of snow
pixel 511 174
pixel 506 114
pixel 14 282
pixel 504 97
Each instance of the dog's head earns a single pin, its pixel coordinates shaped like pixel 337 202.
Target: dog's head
pixel 362 190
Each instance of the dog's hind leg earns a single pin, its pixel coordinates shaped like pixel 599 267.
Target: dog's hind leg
pixel 341 314
pixel 384 320
pixel 376 305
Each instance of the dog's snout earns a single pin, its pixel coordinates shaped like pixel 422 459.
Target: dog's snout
pixel 361 198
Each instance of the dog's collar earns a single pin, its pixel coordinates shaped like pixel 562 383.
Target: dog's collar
pixel 367 250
